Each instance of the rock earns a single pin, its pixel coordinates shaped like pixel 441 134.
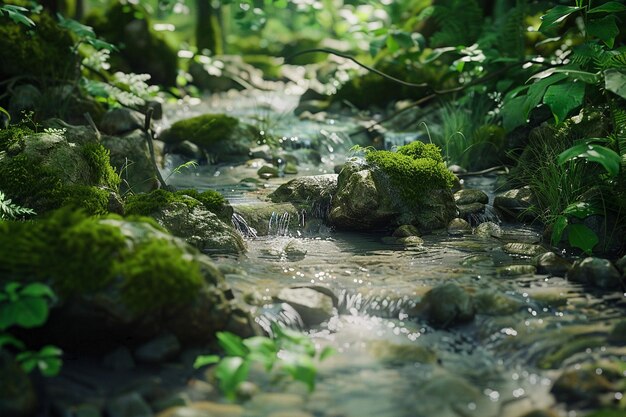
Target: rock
pixel 466 211
pixel 516 270
pixel 294 251
pixel 552 264
pixel 488 229
pixel 204 409
pixel 447 305
pixel 406 230
pixel 130 156
pixel 313 306
pixel 268 171
pixel 313 193
pixel 290 168
pixel 515 202
pixel 25 98
pixel 411 241
pixel 261 152
pixel 119 360
pixel 269 218
pixel 596 272
pixel 468 196
pixel 17 394
pixel 179 399
pixel 581 386
pixel 187 149
pixel 117 122
pixel 495 303
pixel 200 228
pixel 524 249
pixel 246 390
pixel 618 333
pixel 274 401
pixel 458 227
pixel 159 349
pixel 129 405
pixel 399 354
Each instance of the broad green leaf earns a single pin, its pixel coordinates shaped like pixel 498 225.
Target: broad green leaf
pixel 16 13
pixel 582 237
pixel 557 229
pixel 551 20
pixel 581 210
pixel 327 352
pixel 304 371
pixel 403 39
pixel 571 73
pixel 604 29
pixel 47 360
pixel 8 340
pixel 37 290
pixel 615 82
pixel 232 344
pixel 513 114
pixel 563 98
pixel 392 45
pixel 27 312
pixel 606 157
pixel 231 372
pixel 262 349
pixel 204 360
pixel 537 90
pixel 609 7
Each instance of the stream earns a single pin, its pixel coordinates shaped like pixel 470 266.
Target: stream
pixel 387 364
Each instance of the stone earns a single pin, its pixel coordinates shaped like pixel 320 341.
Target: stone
pixel 200 228
pixel 268 171
pixel 620 264
pixel 411 241
pixel 116 122
pixel 204 409
pixel 516 270
pixel 552 264
pixel 119 360
pixel 129 405
pixel 447 305
pixel 187 149
pixel 406 230
pixel 159 349
pixel 269 218
pixel 469 196
pixel 17 394
pixel 290 168
pixel 313 193
pixel 294 251
pixel 582 387
pixel 596 272
pixel 488 229
pixel 398 354
pixel 24 98
pixel 275 401
pixel 514 203
pixel 495 303
pixel 262 152
pixel 524 249
pixel 618 333
pixel 458 227
pixel 312 306
pixel 466 211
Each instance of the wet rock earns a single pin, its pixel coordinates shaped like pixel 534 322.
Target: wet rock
pixel 268 171
pixel 552 264
pixel 618 333
pixel 516 270
pixel 200 228
pixel 290 168
pixel 119 360
pixel 581 386
pixel 159 349
pixel 313 193
pixel 468 196
pixel 406 230
pixel 130 156
pixel 312 306
pixel 467 211
pixel 204 409
pixel 262 152
pixel 495 303
pixel 270 218
pixel 514 203
pixel 488 229
pixel 274 401
pixel 358 202
pixel 116 122
pixel 17 394
pixel 447 392
pixel 447 305
pixel 596 272
pixel 246 390
pixel 411 241
pixel 458 227
pixel 294 251
pixel 129 405
pixel 187 149
pixel 524 249
pixel 398 354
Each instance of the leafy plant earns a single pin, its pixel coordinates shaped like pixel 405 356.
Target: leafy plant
pixel 17 14
pixel 288 353
pixel 10 210
pixel 27 307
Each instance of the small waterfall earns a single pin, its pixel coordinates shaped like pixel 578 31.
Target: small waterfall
pixel 279 223
pixel 282 314
pixel 488 215
pixel 240 225
pixel 377 305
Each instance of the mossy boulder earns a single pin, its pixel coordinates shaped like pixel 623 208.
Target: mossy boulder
pixel 45 171
pixel 223 137
pixel 313 193
pixel 387 189
pixel 142 49
pixel 117 278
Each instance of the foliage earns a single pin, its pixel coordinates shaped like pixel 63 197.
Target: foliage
pixel 10 210
pixel 147 204
pixel 288 353
pixel 17 14
pixel 27 307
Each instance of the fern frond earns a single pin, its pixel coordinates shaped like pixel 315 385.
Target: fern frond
pixel 460 22
pixel 10 210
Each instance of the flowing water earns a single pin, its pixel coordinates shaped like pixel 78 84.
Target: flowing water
pixel 388 362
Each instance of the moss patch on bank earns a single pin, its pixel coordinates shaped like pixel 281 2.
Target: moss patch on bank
pixel 150 203
pixel 204 130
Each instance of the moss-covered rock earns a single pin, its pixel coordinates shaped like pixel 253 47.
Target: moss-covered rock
pixel 223 137
pixel 44 171
pixel 312 193
pixel 387 189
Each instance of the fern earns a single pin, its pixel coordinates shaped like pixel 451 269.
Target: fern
pixel 10 210
pixel 460 22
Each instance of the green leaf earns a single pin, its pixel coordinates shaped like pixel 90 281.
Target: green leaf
pixel 27 312
pixel 392 45
pixel 262 349
pixel 204 360
pixel 557 229
pixel 232 344
pixel 47 360
pixel 582 237
pixel 551 20
pixel 537 90
pixel 615 82
pixel 563 98
pixel 581 210
pixel 231 372
pixel 436 53
pixel 513 113
pixel 16 13
pixel 606 157
pixel 327 352
pixel 609 7
pixel 604 29
pixel 304 371
pixel 37 290
pixel 8 340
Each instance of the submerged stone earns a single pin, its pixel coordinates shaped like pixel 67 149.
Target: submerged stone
pixel 313 306
pixel 458 227
pixel 447 305
pixel 596 272
pixel 488 229
pixel 552 264
pixel 471 209
pixel 268 171
pixel 583 387
pixel 524 249
pixel 516 270
pixel 469 196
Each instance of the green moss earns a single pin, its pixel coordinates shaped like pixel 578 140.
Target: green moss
pixel 12 139
pixel 410 177
pixel 203 130
pixel 156 275
pixel 45 51
pixel 147 204
pixel 98 158
pixel 93 200
pixel 419 149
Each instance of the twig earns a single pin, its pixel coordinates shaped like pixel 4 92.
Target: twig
pixel 89 119
pixel 146 128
